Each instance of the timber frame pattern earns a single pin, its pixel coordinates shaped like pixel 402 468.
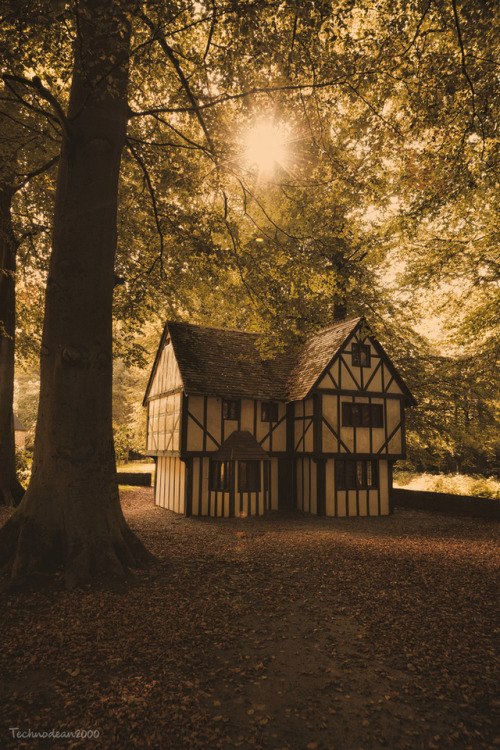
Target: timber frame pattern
pixel 233 434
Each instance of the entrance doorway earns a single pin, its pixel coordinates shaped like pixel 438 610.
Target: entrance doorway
pixel 286 484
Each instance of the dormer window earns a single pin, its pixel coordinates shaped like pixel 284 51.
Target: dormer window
pixel 269 411
pixel 361 355
pixel 230 409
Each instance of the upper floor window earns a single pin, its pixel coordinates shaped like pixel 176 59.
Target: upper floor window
pixel 269 411
pixel 361 355
pixel 249 476
pixel 362 415
pixel 230 409
pixel 356 475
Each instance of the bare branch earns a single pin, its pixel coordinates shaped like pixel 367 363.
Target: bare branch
pixel 236 248
pixel 294 33
pixel 52 120
pixel 165 144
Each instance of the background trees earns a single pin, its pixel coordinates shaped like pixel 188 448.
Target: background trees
pixel 381 197
pixel 29 140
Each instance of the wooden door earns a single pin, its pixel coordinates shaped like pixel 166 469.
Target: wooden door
pixel 286 484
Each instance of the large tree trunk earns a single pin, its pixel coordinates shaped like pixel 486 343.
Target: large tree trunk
pixel 70 515
pixel 11 491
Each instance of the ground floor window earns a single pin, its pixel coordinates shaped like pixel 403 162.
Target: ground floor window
pixel 249 476
pixel 220 476
pixel 356 475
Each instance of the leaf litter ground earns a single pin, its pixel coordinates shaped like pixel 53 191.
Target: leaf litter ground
pixel 279 632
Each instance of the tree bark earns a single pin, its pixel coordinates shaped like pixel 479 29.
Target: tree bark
pixel 11 491
pixel 70 516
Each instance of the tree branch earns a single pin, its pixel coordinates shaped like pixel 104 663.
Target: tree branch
pixel 44 168
pixel 154 204
pixel 184 137
pixel 211 32
pixel 232 97
pixel 419 25
pixel 464 66
pixel 43 91
pixel 372 108
pixel 159 36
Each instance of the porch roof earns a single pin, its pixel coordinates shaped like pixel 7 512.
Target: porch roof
pixel 240 446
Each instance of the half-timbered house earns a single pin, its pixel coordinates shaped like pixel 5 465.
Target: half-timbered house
pixel 235 434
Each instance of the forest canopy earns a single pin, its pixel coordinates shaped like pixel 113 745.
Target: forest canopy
pixel 308 160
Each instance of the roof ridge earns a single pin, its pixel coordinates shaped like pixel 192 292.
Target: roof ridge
pixel 260 333
pixel 338 323
pixel 213 328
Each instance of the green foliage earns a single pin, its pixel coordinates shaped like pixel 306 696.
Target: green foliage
pixel 23 466
pixel 122 442
pixel 27 386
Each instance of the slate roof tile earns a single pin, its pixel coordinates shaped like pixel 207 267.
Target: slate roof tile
pixel 315 356
pixel 227 363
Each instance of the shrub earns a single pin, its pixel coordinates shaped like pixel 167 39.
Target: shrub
pixel 452 484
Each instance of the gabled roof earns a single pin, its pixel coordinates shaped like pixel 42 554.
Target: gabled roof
pixel 316 355
pixel 240 446
pixel 227 363
pixel 18 425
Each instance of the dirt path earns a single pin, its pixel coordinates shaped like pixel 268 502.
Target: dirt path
pixel 286 632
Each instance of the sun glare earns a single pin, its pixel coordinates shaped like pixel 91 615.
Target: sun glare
pixel 266 147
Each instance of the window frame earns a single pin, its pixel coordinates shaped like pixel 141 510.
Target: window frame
pixel 368 415
pixel 244 477
pixel 221 476
pixel 361 355
pixel 272 408
pixel 230 405
pixel 356 474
